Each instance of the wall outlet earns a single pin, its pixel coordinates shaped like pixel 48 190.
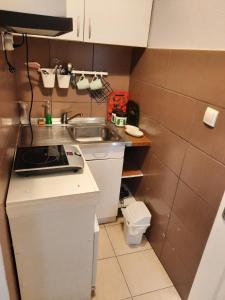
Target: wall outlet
pixel 210 116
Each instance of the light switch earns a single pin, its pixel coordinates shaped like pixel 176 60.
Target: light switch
pixel 210 116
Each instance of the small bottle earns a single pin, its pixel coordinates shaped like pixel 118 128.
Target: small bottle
pixel 48 116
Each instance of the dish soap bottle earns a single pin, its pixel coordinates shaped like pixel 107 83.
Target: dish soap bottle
pixel 48 116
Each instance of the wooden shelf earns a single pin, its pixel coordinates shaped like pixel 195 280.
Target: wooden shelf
pixel 132 173
pixel 139 141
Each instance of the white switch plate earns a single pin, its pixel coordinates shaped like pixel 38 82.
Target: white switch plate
pixel 210 116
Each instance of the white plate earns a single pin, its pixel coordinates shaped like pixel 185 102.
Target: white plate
pixel 136 133
pixel 131 127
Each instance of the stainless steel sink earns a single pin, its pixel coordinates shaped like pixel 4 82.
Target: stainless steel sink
pixel 90 133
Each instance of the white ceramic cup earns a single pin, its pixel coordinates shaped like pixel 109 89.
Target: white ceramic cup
pixel 96 83
pixel 83 83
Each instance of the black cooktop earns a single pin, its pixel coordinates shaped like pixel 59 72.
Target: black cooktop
pixel 40 157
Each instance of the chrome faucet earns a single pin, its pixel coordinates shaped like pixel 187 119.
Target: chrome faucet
pixel 65 119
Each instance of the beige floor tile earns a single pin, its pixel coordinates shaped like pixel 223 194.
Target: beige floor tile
pixel 165 294
pixel 119 243
pixel 105 249
pixel 143 272
pixel 110 284
pixel 119 220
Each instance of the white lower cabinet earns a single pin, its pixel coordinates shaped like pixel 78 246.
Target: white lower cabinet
pixel 106 163
pixel 107 174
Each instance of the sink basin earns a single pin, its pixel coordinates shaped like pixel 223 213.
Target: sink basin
pixel 93 133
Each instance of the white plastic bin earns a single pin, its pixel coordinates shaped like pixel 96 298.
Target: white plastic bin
pixel 48 78
pixel 63 81
pixel 137 219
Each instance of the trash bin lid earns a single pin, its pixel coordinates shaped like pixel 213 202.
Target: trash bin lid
pixel 137 213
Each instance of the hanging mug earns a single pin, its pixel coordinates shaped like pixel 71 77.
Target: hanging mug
pixel 96 83
pixel 83 83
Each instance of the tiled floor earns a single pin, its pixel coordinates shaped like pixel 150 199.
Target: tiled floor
pixel 129 272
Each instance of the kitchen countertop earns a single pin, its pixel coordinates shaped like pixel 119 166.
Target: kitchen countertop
pixel 131 141
pixel 24 189
pixel 58 134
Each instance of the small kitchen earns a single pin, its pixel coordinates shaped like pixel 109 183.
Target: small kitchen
pixel 106 151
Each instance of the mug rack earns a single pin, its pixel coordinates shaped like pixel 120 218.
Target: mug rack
pixel 89 73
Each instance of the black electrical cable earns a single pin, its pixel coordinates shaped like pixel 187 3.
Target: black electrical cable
pixel 11 68
pixel 31 89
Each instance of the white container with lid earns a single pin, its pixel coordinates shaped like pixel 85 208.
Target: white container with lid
pixel 137 219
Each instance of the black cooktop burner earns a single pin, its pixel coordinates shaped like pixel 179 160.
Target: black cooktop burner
pixel 40 157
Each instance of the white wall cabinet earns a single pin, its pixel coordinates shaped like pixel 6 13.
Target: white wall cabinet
pixel 119 22
pixel 116 22
pixel 75 10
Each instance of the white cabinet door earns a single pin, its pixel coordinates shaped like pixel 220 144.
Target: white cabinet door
pixel 75 10
pixel 107 174
pixel 119 22
pixel 42 7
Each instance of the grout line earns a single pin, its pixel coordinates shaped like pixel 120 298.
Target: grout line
pixel 110 241
pixel 165 288
pixel 124 277
pixel 119 263
pixel 106 258
pixel 139 251
pixel 178 93
pixel 189 142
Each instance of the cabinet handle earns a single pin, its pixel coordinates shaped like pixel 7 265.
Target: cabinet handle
pixel 89 27
pixel 78 26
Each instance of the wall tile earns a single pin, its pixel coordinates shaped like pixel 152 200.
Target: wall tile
pixel 204 175
pixel 154 193
pixel 174 111
pixel 167 146
pixel 116 60
pixel 7 83
pixel 150 66
pixel 162 182
pixel 150 98
pixel 199 74
pixel 171 87
pixel 155 234
pixel 60 107
pixel 39 52
pixel 186 244
pixel 69 95
pixel 170 149
pixel 38 109
pixel 178 113
pixel 98 109
pixel 79 54
pixel 196 215
pixel 176 270
pixel 210 140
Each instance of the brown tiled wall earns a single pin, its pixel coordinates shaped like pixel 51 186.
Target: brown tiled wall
pixel 113 59
pixel 185 172
pixel 8 137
